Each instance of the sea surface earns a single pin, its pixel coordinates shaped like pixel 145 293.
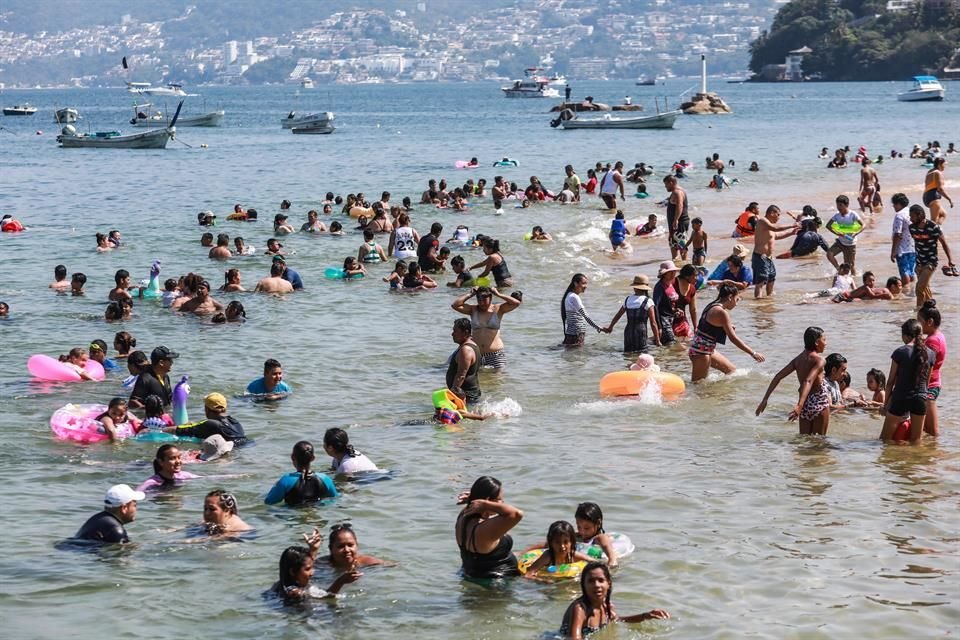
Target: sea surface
pixel 743 529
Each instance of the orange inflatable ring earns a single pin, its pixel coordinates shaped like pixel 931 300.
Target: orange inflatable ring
pixel 12 226
pixel 632 383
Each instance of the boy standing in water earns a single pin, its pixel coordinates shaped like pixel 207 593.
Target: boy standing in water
pixel 698 241
pixel 813 406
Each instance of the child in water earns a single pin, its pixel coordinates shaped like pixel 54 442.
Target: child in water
pixel 644 362
pixel 561 549
pixel 77 360
pixel 649 227
pixel 170 293
pixel 698 241
pixel 464 278
pixel 296 569
pixel 116 415
pixel 154 417
pixel 352 268
pixel 537 234
pixel 877 382
pixel 396 276
pixel 589 519
pixel 416 280
pixel 302 486
pixel 593 611
pixel 618 232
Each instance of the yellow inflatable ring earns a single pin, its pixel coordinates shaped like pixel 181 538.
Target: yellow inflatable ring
pixel 554 572
pixel 632 383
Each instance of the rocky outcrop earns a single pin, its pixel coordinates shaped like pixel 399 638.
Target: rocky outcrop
pixel 705 104
pixel 590 105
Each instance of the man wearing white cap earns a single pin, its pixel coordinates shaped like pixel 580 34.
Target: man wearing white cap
pixel 119 508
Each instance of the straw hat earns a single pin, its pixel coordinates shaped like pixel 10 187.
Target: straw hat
pixel 641 283
pixel 666 267
pixel 739 250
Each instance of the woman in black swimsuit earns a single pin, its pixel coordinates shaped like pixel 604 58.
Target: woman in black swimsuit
pixel 481 531
pixel 714 327
pixel 494 264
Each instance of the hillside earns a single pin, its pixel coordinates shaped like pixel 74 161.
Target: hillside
pixel 860 39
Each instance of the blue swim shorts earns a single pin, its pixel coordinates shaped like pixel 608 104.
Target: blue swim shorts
pixel 907 264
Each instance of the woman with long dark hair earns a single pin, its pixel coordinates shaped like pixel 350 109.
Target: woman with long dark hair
pixel 714 327
pixel 907 383
pixel 573 314
pixel 486 549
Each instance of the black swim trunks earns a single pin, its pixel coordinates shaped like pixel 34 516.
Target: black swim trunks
pixel 763 269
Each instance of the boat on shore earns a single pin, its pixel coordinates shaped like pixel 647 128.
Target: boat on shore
pixel 25 109
pixel 925 88
pixel 144 117
pixel 66 115
pixel 149 139
pixel 307 120
pixel 570 120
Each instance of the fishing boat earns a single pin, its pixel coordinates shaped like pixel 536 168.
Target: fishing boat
pixel 25 109
pixel 67 115
pixel 924 88
pixel 150 139
pixel 143 116
pixel 570 120
pixel 307 120
pixel 534 85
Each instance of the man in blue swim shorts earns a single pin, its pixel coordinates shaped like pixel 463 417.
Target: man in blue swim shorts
pixel 902 251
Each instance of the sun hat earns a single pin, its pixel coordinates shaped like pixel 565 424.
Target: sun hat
pixel 215 401
pixel 739 250
pixel 641 282
pixel 121 494
pixel 666 267
pixel 214 447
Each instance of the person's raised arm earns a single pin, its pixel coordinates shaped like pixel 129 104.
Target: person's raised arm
pixel 459 305
pixel 487 533
pixel 509 302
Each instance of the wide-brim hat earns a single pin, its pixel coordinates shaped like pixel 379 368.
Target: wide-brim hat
pixel 641 283
pixel 666 267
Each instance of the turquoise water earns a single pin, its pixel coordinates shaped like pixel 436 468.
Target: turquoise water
pixel 742 528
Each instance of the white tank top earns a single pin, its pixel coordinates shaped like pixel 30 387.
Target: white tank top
pixel 609 184
pixel 404 245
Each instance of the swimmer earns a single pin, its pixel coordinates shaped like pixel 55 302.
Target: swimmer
pixel 343 457
pixel 869 291
pixel 167 469
pixel 296 570
pixel 274 283
pixel 876 383
pixel 60 282
pixel 4 310
pixel 119 508
pixel 242 248
pixel 221 514
pixel 77 360
pixel 589 519
pixel 714 327
pixel 352 268
pixel 302 486
pixel 271 385
pixel 416 280
pixel 754 166
pixel 207 219
pixel 206 240
pixel 370 251
pixel 280 225
pixel 698 242
pixel 103 244
pixel 121 290
pixel 618 232
pixel 593 610
pixel 235 312
pixel 231 281
pixel 170 293
pixel 98 353
pixel 116 415
pixel 201 303
pixel 464 278
pixel 561 548
pixel 834 370
pixel 649 227
pixel 537 234
pixel 154 415
pixel 345 554
pixel 274 248
pixel 238 214
pixel 222 250
pixel 120 310
pixel 813 406
pixel 461 235
pixel 123 342
pixel 395 279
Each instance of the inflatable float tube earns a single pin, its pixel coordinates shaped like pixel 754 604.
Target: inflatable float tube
pixel 77 422
pixel 46 368
pixel 847 229
pixel 333 273
pixel 506 162
pixel 482 281
pixel 465 164
pixel 641 195
pixel 632 383
pixel 356 212
pixel 12 226
pixel 621 545
pixel 553 572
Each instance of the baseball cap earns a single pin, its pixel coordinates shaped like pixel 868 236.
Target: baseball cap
pixel 121 494
pixel 163 353
pixel 215 401
pixel 215 447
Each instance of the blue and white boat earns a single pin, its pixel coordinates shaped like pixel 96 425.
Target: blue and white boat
pixel 924 88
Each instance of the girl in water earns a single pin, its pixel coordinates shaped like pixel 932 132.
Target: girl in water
pixel 345 459
pixel 395 279
pixel 296 569
pixel 345 553
pixel 116 415
pixel 154 417
pixel 416 280
pixel 243 249
pixel 593 611
pixel 537 234
pixel 482 530
pixel 876 382
pixel 907 383
pixel 123 342
pixel 302 486
pixel 221 514
pixel 103 243
pixel 231 281
pixel 77 360
pixel 574 315
pixel 352 268
pixel 561 549
pixel 714 328
pixel 167 469
pixel 929 317
pixel 589 519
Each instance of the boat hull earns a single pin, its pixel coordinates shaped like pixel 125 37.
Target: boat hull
pixel 66 116
pixel 659 121
pixel 324 119
pixel 154 139
pixel 15 111
pixel 926 95
pixel 315 130
pixel 212 119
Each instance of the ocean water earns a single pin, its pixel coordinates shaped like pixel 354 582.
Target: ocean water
pixel 743 529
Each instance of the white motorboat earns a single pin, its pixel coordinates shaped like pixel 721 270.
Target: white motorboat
pixel 143 116
pixel 172 89
pixel 150 139
pixel 25 109
pixel 318 128
pixel 557 80
pixel 295 120
pixel 67 115
pixel 530 89
pixel 924 88
pixel 570 120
